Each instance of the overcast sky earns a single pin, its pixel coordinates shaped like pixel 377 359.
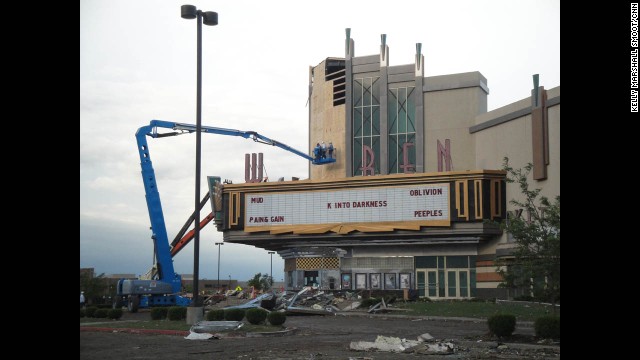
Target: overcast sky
pixel 138 63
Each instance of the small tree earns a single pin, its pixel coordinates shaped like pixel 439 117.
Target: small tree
pixel 536 261
pixel 94 287
pixel 261 282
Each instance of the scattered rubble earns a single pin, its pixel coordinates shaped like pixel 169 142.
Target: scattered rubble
pixel 215 326
pixel 395 344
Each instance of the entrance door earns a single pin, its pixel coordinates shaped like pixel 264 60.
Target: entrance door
pixel 432 283
pixel 420 279
pixel 452 289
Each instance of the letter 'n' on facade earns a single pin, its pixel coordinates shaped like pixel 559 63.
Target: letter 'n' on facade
pixel 444 155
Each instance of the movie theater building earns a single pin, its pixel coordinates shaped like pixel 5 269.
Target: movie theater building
pixel 416 183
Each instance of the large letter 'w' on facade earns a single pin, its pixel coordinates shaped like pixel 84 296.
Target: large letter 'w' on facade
pixel 252 165
pixel 367 154
pixel 444 152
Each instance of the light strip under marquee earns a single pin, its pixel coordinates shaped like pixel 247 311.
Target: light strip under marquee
pixel 371 209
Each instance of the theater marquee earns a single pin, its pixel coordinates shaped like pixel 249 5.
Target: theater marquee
pixel 343 211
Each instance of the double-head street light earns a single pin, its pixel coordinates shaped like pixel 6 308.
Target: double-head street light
pixel 209 18
pixel 271 271
pixel 219 243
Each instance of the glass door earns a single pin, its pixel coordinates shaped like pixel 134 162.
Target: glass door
pixel 420 276
pixel 432 283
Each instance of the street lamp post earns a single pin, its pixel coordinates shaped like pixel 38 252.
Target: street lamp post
pixel 271 271
pixel 219 243
pixel 209 18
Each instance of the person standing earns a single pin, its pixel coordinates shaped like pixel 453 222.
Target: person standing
pixel 324 150
pixel 81 299
pixel 330 150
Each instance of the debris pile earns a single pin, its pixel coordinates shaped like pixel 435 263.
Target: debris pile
pixel 424 345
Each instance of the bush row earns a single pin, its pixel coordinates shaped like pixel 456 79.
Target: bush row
pixel 546 327
pixel 254 316
pixel 94 312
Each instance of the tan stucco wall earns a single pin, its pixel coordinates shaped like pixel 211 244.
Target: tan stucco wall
pixel 327 123
pixel 512 139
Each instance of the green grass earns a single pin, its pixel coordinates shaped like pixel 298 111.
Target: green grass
pixel 474 309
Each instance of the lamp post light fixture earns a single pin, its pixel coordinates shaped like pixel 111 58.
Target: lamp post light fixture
pixel 271 271
pixel 209 18
pixel 219 243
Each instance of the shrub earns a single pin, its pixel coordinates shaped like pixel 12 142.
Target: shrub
pixel 114 314
pixel 502 324
pixel 82 313
pixel 547 327
pixel 159 313
pixel 215 315
pixel 256 316
pixel 276 318
pixel 101 313
pixel 234 314
pixel 177 313
pixel 523 298
pixel 90 311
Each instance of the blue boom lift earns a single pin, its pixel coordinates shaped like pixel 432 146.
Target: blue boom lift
pixel 162 286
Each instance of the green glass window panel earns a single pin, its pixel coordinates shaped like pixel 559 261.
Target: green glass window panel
pixel 440 262
pixel 421 283
pixel 357 156
pixel 393 156
pixel 411 111
pixel 366 121
pixel 366 92
pixel 375 120
pixel 402 110
pixel 464 290
pixel 428 262
pixel 441 283
pixel 457 262
pixel 432 283
pixel 472 281
pixel 357 122
pixel 452 283
pixel 375 91
pixel 392 110
pixel 357 92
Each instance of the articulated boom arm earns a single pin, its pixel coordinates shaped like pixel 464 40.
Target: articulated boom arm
pixel 189 128
pixel 154 206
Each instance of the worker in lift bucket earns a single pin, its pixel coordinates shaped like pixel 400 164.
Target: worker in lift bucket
pixel 82 299
pixel 317 151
